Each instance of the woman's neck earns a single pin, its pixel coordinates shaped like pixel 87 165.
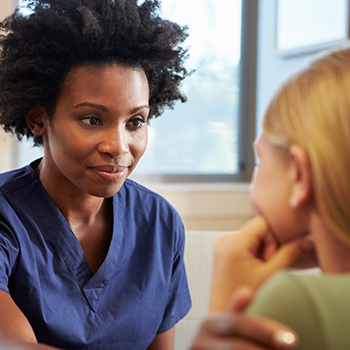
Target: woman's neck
pixel 332 253
pixel 74 205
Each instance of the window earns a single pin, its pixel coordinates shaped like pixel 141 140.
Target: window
pixel 207 138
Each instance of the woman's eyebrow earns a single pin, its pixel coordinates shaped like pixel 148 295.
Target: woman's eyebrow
pixel 136 109
pixel 105 109
pixel 94 105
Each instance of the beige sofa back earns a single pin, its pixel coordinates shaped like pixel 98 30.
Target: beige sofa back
pixel 199 250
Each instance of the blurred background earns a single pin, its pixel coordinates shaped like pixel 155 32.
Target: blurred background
pixel 199 155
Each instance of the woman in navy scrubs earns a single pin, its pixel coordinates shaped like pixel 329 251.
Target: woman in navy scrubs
pixel 88 258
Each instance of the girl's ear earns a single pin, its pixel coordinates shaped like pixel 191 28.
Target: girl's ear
pixel 35 119
pixel 301 189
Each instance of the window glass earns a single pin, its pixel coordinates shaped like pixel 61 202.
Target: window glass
pixel 201 135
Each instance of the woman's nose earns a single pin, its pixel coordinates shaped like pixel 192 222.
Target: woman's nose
pixel 115 142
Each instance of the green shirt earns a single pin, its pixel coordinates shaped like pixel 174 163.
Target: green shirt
pixel 316 307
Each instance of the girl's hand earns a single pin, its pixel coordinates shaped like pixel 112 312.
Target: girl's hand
pixel 249 258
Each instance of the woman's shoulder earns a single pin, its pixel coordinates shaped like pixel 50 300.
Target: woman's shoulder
pixel 145 207
pixel 137 192
pixel 14 179
pixel 131 184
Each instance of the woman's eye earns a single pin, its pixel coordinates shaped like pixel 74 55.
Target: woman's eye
pixel 136 123
pixel 91 120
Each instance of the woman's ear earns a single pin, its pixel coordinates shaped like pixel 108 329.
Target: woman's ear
pixel 301 178
pixel 35 119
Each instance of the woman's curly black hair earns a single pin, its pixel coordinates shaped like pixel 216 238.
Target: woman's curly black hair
pixel 39 50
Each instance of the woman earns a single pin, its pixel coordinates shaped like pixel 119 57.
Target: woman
pixel 88 258
pixel 301 186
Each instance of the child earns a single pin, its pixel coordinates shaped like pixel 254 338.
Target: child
pixel 300 187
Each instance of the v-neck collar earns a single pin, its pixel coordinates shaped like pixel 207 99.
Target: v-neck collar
pixel 58 231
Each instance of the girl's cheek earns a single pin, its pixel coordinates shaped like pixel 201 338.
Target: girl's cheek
pixel 254 190
pixel 253 199
pixel 253 179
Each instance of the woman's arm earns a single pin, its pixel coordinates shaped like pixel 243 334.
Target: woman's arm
pixel 163 341
pixel 236 330
pixel 16 332
pixel 242 332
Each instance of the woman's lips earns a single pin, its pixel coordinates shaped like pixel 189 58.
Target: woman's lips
pixel 110 173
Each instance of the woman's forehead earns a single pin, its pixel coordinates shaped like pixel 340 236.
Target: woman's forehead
pixel 108 86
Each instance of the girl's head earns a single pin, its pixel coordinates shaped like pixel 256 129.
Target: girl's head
pixel 38 51
pixel 307 126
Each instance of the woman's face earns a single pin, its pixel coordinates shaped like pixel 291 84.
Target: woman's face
pixel 98 132
pixel 271 190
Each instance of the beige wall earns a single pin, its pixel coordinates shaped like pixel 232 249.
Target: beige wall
pixel 6 7
pixel 209 207
pixel 6 151
pixel 6 141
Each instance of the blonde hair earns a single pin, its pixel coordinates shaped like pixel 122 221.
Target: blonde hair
pixel 313 110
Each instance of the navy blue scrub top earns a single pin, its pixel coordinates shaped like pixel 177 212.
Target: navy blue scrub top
pixel 140 289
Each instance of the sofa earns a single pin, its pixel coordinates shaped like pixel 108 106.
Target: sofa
pixel 199 251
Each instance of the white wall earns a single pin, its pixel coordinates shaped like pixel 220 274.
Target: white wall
pixel 273 69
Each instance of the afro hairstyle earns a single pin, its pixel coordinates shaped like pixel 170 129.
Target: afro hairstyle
pixel 37 51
